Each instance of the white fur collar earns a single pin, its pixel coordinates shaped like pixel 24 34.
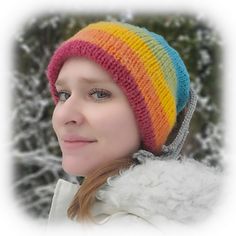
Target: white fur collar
pixel 183 191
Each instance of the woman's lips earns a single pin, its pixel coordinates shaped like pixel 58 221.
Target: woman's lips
pixel 74 141
pixel 75 144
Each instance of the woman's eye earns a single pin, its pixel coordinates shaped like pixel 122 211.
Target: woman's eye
pixel 97 94
pixel 100 94
pixel 62 95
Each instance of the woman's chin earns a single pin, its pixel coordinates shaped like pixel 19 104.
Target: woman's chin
pixel 71 166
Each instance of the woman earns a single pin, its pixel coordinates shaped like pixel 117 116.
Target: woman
pixel 123 104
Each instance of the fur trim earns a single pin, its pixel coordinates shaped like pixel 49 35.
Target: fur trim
pixel 183 191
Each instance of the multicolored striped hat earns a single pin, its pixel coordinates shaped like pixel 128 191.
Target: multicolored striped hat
pixel 150 72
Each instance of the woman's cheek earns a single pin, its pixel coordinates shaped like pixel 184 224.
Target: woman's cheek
pixel 57 119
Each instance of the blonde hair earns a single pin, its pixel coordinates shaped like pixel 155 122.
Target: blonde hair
pixel 85 197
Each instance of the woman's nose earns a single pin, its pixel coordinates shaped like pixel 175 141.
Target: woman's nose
pixel 72 111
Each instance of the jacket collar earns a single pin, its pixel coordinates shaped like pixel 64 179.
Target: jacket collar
pixel 183 191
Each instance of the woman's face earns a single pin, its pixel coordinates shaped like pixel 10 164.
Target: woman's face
pixel 92 106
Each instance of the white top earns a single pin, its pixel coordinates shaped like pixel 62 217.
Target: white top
pixel 63 195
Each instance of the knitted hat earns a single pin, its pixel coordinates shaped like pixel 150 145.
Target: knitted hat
pixel 150 72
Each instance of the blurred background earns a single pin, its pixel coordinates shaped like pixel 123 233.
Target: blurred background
pixel 34 148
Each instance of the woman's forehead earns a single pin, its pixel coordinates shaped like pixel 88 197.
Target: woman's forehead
pixel 61 81
pixel 85 70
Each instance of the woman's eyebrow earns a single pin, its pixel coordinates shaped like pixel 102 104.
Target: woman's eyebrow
pixel 59 82
pixel 62 82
